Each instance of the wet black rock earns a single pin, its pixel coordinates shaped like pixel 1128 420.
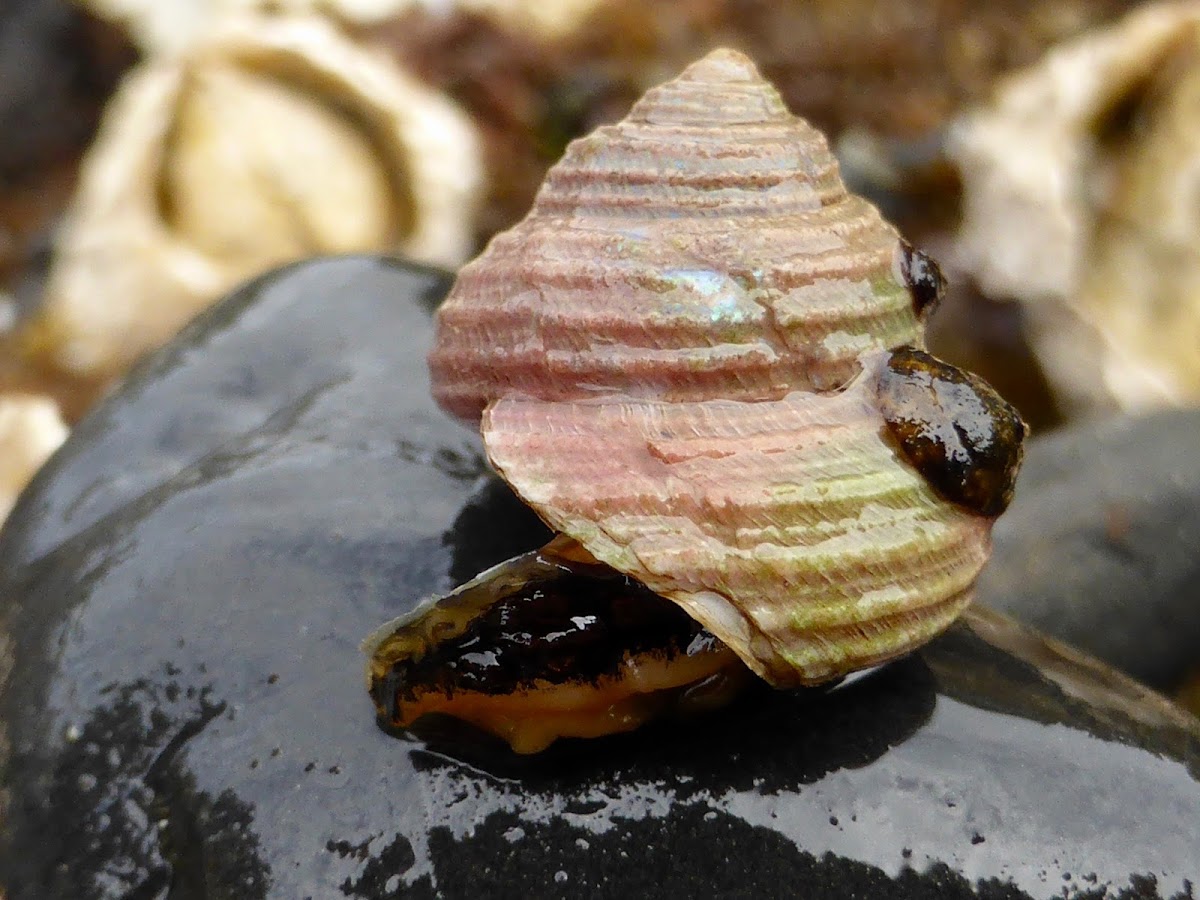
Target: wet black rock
pixel 184 712
pixel 1101 547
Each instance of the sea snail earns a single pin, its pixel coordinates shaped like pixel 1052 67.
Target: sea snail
pixel 699 360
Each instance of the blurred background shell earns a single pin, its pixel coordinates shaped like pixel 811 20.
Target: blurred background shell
pixel 171 26
pixel 30 430
pixel 271 140
pixel 167 26
pixel 1080 199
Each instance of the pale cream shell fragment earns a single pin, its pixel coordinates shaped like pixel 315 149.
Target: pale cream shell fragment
pixel 273 140
pixel 1099 237
pixel 549 19
pixel 30 430
pixel 791 529
pixel 170 26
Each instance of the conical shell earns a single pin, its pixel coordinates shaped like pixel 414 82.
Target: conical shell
pixel 792 529
pixel 703 248
pixel 681 358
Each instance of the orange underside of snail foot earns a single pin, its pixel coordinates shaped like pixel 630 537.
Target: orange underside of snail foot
pixel 532 719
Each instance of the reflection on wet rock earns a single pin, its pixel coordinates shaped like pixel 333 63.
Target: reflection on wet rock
pixel 185 589
pixel 141 821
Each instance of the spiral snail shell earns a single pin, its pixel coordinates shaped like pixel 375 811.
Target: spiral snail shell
pixel 698 360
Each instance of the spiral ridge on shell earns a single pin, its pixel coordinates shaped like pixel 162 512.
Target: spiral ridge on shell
pixel 705 247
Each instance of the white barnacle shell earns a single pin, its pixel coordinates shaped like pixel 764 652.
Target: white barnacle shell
pixel 270 140
pixel 1079 200
pixel 687 358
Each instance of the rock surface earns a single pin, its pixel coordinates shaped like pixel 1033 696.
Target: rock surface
pixel 183 713
pixel 1101 547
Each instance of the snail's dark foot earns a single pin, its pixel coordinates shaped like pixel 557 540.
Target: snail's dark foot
pixel 546 645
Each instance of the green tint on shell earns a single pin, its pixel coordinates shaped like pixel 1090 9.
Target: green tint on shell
pixel 795 530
